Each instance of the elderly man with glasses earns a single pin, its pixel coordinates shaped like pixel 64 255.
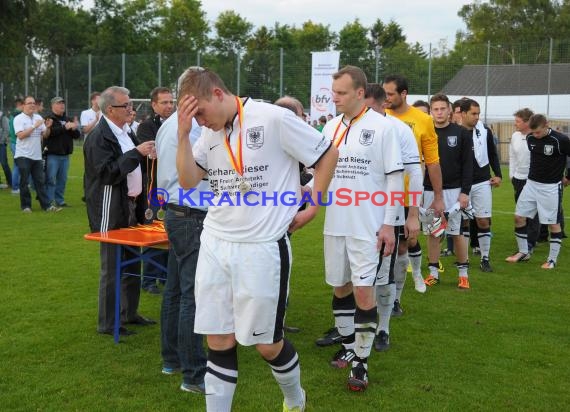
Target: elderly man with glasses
pixel 115 199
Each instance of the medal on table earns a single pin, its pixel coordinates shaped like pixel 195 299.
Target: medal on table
pixel 237 159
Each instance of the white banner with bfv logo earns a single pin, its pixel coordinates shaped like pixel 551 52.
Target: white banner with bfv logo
pixel 325 64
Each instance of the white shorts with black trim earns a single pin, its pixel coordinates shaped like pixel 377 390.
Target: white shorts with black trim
pixel 242 288
pixel 481 199
pixel 542 198
pixel 450 197
pixel 348 259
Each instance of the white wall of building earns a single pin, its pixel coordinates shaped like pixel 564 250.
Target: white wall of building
pixel 503 107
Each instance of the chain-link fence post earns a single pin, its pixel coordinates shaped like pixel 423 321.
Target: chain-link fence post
pixel 159 61
pixel 487 79
pixel 123 69
pixel 549 79
pixel 26 77
pixel 280 71
pixel 57 74
pixel 429 73
pixel 89 78
pixel 377 64
pixel 238 61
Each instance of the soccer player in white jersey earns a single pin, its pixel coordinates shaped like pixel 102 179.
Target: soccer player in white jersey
pixel 251 153
pixel 358 236
pixel 386 294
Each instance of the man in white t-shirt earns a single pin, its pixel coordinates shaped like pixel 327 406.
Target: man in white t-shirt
pixel 30 128
pixel 90 117
pixel 519 164
pixel 251 153
pixel 359 236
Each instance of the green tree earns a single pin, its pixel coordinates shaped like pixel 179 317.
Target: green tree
pixel 182 35
pixel 353 44
pixel 232 34
pixel 530 22
pixel 261 65
pixel 183 28
pixel 386 36
pixel 313 36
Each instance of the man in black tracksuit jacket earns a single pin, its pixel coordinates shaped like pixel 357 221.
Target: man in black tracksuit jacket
pixel 115 199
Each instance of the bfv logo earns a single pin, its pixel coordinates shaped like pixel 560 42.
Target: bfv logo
pixel 322 99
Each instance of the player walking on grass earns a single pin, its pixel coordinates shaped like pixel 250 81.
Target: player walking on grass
pixel 242 276
pixel 549 150
pixel 358 237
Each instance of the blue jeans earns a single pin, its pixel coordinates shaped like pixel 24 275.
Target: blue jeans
pixel 57 167
pixel 35 169
pixel 15 170
pixel 180 346
pixel 4 163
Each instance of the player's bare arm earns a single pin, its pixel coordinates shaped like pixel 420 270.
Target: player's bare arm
pixel 387 239
pixel 463 200
pixel 495 181
pixel 412 225
pixel 324 171
pixel 437 183
pixel 189 174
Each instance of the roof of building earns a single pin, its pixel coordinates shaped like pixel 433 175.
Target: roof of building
pixel 510 80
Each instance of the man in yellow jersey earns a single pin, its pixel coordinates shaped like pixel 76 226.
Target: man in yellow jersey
pixel 396 88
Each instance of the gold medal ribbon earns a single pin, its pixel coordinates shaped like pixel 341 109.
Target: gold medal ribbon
pixel 236 161
pixel 345 131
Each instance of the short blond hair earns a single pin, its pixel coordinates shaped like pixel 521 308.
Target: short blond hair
pixel 199 82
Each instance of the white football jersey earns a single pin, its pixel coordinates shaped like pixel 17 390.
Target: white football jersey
pixel 274 142
pixel 367 154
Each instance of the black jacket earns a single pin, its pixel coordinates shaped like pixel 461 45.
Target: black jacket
pixel 60 140
pixel 106 169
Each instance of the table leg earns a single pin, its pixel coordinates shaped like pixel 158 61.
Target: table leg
pixel 117 293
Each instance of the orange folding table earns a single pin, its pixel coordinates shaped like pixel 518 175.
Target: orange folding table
pixel 144 241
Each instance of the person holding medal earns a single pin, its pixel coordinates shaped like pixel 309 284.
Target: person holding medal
pixel 242 276
pixel 114 198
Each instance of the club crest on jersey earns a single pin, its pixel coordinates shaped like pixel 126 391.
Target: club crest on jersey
pixel 366 137
pixel 548 149
pixel 452 141
pixel 254 137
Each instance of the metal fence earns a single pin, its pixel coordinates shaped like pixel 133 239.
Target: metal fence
pixel 260 74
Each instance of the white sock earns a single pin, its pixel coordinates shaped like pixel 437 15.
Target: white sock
pixel 484 237
pixel 365 326
pixel 221 379
pixel 555 245
pixel 385 297
pixel 287 372
pixel 400 269
pixel 522 239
